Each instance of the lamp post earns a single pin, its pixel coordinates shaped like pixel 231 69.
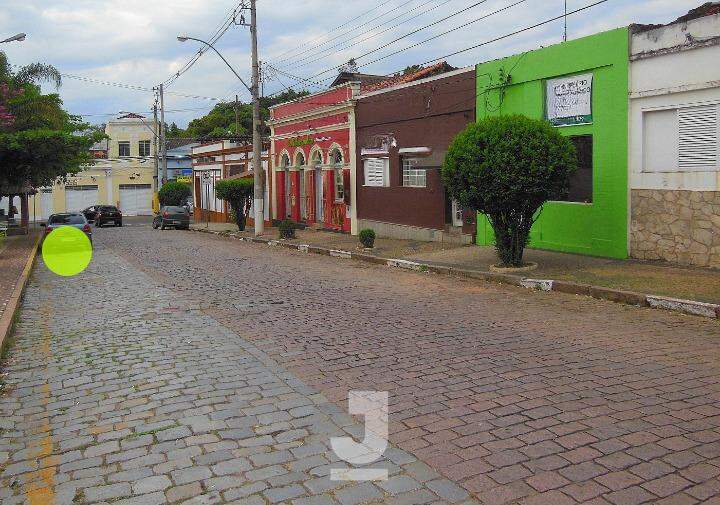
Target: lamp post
pixel 15 38
pixel 254 89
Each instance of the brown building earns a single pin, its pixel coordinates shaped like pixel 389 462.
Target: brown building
pixel 403 134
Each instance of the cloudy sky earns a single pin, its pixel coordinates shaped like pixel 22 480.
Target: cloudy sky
pixel 133 42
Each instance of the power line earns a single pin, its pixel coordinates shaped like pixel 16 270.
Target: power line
pixel 325 52
pixel 517 32
pixel 330 31
pixel 448 31
pixel 227 22
pixel 349 31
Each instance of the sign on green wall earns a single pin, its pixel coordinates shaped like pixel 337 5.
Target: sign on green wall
pixel 569 100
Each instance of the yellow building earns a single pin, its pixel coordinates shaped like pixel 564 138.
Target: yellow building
pixel 123 174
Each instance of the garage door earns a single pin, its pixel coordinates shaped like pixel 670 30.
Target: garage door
pixel 78 198
pixel 136 199
pixel 46 203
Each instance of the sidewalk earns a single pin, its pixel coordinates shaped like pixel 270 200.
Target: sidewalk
pixel 689 283
pixel 15 252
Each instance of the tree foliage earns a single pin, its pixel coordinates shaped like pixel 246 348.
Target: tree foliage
pixel 39 140
pixel 238 193
pixel 507 167
pixel 220 121
pixel 174 194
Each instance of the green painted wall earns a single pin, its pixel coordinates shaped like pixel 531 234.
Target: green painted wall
pixel 599 228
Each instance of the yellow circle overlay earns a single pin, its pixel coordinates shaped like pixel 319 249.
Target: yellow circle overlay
pixel 67 251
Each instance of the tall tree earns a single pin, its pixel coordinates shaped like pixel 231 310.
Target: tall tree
pixel 220 121
pixel 39 140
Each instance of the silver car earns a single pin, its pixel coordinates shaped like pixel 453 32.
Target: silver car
pixel 74 219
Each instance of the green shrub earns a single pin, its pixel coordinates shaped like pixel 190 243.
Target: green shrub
pixel 367 238
pixel 287 229
pixel 174 194
pixel 507 167
pixel 238 193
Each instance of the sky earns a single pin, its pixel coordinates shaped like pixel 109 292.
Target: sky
pixel 133 42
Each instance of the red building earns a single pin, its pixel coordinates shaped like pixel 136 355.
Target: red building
pixel 313 151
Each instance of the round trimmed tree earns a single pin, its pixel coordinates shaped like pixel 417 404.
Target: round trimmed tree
pixel 507 167
pixel 238 193
pixel 174 194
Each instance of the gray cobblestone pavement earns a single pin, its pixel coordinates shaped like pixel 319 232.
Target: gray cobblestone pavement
pixel 121 391
pixel 496 393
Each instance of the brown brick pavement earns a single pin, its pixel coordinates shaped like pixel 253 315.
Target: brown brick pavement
pixel 518 396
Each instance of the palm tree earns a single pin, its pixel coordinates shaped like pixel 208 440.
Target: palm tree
pixel 33 73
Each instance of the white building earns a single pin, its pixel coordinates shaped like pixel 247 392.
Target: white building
pixel 674 147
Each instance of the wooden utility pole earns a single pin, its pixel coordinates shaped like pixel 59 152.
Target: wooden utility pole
pixel 259 194
pixel 155 151
pixel 163 143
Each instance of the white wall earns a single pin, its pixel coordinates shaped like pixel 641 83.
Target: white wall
pixel 667 72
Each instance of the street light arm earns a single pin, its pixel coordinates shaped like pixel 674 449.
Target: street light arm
pixel 185 37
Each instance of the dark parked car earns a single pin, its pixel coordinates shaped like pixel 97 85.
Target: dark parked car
pixel 172 217
pixel 108 214
pixel 90 213
pixel 75 219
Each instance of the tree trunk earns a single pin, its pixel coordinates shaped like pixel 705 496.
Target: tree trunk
pixel 240 219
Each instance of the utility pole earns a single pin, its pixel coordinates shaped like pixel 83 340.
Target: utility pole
pixel 565 22
pixel 259 196
pixel 163 143
pixel 156 143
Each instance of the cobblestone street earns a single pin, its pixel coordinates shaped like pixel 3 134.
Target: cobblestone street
pixel 184 366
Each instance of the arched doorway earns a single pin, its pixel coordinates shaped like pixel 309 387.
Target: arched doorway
pixel 316 163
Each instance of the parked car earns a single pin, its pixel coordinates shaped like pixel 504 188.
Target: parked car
pixel 172 217
pixel 90 213
pixel 108 214
pixel 74 219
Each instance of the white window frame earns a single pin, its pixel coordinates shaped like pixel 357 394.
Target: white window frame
pixel 147 152
pixel 122 143
pixel 413 177
pixel 377 172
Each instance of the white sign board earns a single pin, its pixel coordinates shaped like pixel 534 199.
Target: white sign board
pixel 569 100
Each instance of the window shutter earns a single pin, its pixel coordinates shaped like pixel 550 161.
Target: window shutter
pixel 698 138
pixel 375 172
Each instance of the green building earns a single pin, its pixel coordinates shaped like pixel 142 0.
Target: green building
pixel 581 86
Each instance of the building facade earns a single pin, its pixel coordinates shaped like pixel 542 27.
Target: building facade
pixel 122 175
pixel 312 147
pixel 403 133
pixel 675 152
pixel 581 86
pixel 224 159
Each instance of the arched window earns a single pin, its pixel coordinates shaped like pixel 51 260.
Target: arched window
pixel 284 160
pixel 336 159
pixel 300 160
pixel 317 158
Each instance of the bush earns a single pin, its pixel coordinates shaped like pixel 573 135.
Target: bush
pixel 507 167
pixel 174 194
pixel 287 229
pixel 238 193
pixel 367 238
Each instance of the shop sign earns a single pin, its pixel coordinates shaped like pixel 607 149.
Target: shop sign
pixel 183 178
pixel 299 142
pixel 569 100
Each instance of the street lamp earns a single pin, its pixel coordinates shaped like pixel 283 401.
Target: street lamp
pixel 15 38
pixel 258 191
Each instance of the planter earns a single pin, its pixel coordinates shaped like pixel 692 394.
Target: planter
pixel 529 267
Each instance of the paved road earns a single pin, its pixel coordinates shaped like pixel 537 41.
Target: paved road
pixel 199 367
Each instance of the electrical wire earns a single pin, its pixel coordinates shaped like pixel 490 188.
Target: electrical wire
pixel 487 42
pixel 325 54
pixel 330 31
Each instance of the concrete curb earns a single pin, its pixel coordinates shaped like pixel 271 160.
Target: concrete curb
pixel 689 307
pixel 13 305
